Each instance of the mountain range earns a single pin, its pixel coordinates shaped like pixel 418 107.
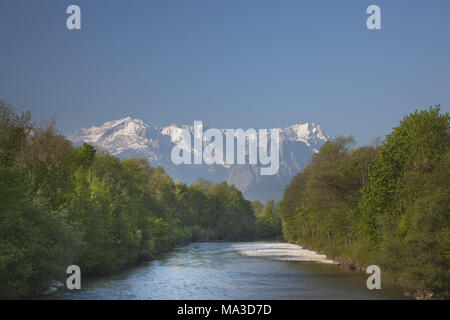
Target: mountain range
pixel 128 137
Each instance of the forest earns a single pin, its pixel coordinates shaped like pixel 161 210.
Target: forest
pixel 62 205
pixel 387 204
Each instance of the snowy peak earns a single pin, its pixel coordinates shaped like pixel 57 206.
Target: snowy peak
pixel 128 133
pixel 309 133
pixel 116 136
pixel 126 126
pixel 174 131
pixel 129 137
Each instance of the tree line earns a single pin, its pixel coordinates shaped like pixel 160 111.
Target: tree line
pixel 268 222
pixel 62 205
pixel 386 204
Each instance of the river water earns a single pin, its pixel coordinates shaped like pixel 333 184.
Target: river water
pixel 217 270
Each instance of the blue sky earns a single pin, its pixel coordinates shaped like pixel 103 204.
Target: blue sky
pixel 229 63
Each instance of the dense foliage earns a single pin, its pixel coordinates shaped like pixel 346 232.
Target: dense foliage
pixel 268 223
pixel 387 205
pixel 61 205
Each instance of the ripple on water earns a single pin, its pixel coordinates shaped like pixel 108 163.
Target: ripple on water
pixel 231 271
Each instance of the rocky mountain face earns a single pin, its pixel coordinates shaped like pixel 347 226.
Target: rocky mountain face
pixel 126 138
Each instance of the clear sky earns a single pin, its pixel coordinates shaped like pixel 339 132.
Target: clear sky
pixel 229 63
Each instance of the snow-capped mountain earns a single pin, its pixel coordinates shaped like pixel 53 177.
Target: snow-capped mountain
pixel 129 137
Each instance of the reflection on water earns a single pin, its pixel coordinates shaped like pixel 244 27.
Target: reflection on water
pixel 224 271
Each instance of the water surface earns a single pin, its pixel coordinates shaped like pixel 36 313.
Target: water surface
pixel 227 271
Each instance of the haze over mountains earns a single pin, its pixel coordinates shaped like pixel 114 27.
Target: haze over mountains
pixel 126 138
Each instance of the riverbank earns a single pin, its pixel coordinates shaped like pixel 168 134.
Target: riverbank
pixel 282 251
pixel 350 265
pixel 268 250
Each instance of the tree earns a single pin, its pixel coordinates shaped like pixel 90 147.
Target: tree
pixel 387 204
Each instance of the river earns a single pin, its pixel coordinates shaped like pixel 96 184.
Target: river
pixel 217 270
